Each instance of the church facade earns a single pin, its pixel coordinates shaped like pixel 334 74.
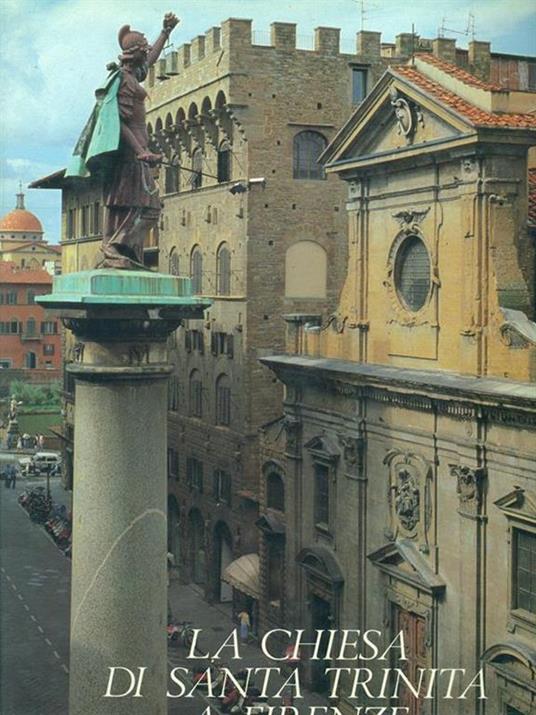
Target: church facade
pixel 399 487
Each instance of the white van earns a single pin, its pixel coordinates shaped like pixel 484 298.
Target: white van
pixel 41 463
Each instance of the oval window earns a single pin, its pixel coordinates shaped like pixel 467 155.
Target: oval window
pixel 412 273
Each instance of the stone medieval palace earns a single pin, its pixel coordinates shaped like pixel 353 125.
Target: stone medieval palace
pixel 352 425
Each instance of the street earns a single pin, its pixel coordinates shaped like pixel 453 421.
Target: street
pixel 34 634
pixel 34 616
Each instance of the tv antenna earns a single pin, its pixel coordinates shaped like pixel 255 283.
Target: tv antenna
pixel 468 32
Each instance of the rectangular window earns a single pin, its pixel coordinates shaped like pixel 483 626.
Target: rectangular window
pixel 96 218
pixel 221 344
pixel 173 394
pixel 5 363
pixel 222 486
pixel 359 85
pixel 198 342
pixel 524 591
pixel 85 220
pixel 173 463
pixel 49 327
pixel 11 297
pixel 48 349
pixel 321 501
pixel 31 297
pixel 71 223
pixel 194 474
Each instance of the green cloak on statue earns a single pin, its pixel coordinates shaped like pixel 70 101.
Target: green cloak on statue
pixel 100 137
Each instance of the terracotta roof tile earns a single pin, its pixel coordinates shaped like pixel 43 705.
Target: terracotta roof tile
pixel 459 73
pixel 477 117
pixel 532 196
pixel 9 274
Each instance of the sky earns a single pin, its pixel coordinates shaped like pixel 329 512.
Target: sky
pixel 53 55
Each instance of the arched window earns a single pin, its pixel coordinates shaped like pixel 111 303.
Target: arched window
pixel 275 491
pixel 223 270
pixel 308 146
pixel 223 400
pixel 196 394
pixel 224 162
pixel 197 168
pixel 196 270
pixel 174 262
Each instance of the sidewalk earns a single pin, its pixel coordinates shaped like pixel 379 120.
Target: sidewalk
pixel 188 604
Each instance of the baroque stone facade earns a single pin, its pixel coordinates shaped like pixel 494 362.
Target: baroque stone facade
pixel 409 495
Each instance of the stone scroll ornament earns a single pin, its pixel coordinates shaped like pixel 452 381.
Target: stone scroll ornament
pixel 408 115
pixel 114 148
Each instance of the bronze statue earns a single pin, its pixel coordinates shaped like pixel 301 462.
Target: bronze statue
pixel 114 145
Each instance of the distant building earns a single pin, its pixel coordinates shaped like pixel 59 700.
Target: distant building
pixel 398 489
pixel 22 241
pixel 29 340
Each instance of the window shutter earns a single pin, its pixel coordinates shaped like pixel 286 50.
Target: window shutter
pixel 230 346
pixel 201 343
pixel 188 341
pixel 214 343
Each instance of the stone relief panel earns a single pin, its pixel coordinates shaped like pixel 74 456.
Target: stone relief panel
pixel 409 497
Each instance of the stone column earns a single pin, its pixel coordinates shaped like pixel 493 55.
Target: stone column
pixel 121 320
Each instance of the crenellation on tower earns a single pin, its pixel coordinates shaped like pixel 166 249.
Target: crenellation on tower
pixel 327 40
pixel 283 35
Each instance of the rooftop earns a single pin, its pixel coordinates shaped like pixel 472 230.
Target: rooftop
pixel 458 73
pixel 476 116
pixel 10 273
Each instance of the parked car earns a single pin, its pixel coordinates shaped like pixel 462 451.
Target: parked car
pixel 41 463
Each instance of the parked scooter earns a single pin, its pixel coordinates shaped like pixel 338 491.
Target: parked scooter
pixel 180 633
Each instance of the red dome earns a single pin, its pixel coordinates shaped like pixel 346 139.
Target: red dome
pixel 21 220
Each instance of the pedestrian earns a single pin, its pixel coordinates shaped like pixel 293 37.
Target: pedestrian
pixel 41 441
pixel 170 565
pixel 13 477
pixel 19 443
pixel 245 623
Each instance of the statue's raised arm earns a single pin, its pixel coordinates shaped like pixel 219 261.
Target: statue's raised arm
pixel 170 22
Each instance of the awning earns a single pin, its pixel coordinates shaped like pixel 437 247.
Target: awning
pixel 243 574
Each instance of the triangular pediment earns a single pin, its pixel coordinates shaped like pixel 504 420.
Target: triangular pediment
pixel 401 559
pixel 322 446
pixel 519 504
pixel 395 119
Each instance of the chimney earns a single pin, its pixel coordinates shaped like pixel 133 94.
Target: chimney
pixel 480 59
pixel 405 43
pixel 444 49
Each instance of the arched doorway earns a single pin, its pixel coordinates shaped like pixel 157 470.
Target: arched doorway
pixel 197 547
pixel 324 584
pixel 223 553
